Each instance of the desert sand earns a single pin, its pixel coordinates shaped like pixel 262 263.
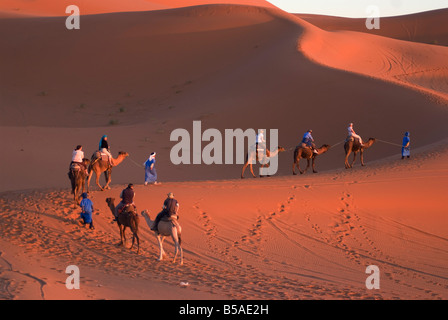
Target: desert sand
pixel 139 70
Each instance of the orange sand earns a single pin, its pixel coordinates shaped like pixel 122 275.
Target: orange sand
pixel 137 76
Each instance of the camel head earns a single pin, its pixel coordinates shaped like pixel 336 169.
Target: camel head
pixel 369 142
pixel 110 201
pixel 145 214
pixel 324 148
pixel 123 154
pixel 86 161
pixel 149 222
pixel 281 149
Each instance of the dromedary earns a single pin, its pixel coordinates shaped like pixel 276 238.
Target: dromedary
pixel 167 228
pixel 354 146
pixel 126 219
pixel 308 154
pixel 261 157
pixel 99 165
pixel 77 176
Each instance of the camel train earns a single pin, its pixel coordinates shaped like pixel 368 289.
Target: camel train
pixel 171 227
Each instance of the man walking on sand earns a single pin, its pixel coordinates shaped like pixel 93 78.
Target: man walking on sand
pixel 406 146
pixel 86 210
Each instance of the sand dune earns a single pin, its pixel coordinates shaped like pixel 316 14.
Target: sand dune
pixel 49 8
pixel 427 27
pixel 148 73
pixel 137 76
pixel 419 66
pixel 282 238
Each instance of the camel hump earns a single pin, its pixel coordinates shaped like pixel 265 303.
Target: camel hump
pixel 75 166
pixel 95 155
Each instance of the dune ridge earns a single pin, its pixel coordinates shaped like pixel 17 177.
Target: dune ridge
pixel 427 27
pixel 50 8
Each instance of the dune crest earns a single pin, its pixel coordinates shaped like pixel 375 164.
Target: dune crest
pixel 419 66
pixel 426 27
pixel 51 8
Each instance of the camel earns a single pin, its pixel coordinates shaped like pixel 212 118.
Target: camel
pixel 354 146
pixel 126 219
pixel 260 157
pixel 99 166
pixel 308 154
pixel 167 228
pixel 77 176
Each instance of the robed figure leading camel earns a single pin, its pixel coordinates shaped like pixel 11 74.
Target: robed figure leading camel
pixel 302 152
pixel 353 146
pixel 167 227
pixel 77 176
pixel 128 218
pixel 99 165
pixel 253 157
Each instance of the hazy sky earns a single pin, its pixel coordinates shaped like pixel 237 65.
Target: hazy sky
pixel 357 8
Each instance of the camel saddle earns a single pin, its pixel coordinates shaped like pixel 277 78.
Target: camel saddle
pixel 173 219
pixel 128 208
pixel 305 146
pixel 75 166
pixel 349 138
pixel 98 155
pixel 127 212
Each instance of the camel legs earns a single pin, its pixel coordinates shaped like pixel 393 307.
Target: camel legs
pixel 294 164
pixel 354 159
pixel 177 247
pixel 248 163
pixel 108 176
pixel 160 239
pixel 347 165
pixel 361 155
pixel 313 164
pixel 135 236
pixel 122 235
pixel 298 166
pixel 97 180
pixel 88 180
pixel 244 168
pixel 307 166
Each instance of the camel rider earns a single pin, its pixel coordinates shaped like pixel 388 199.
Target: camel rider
pixel 169 209
pixel 77 158
pixel 308 141
pixel 260 142
pixel 352 133
pixel 104 148
pixel 127 199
